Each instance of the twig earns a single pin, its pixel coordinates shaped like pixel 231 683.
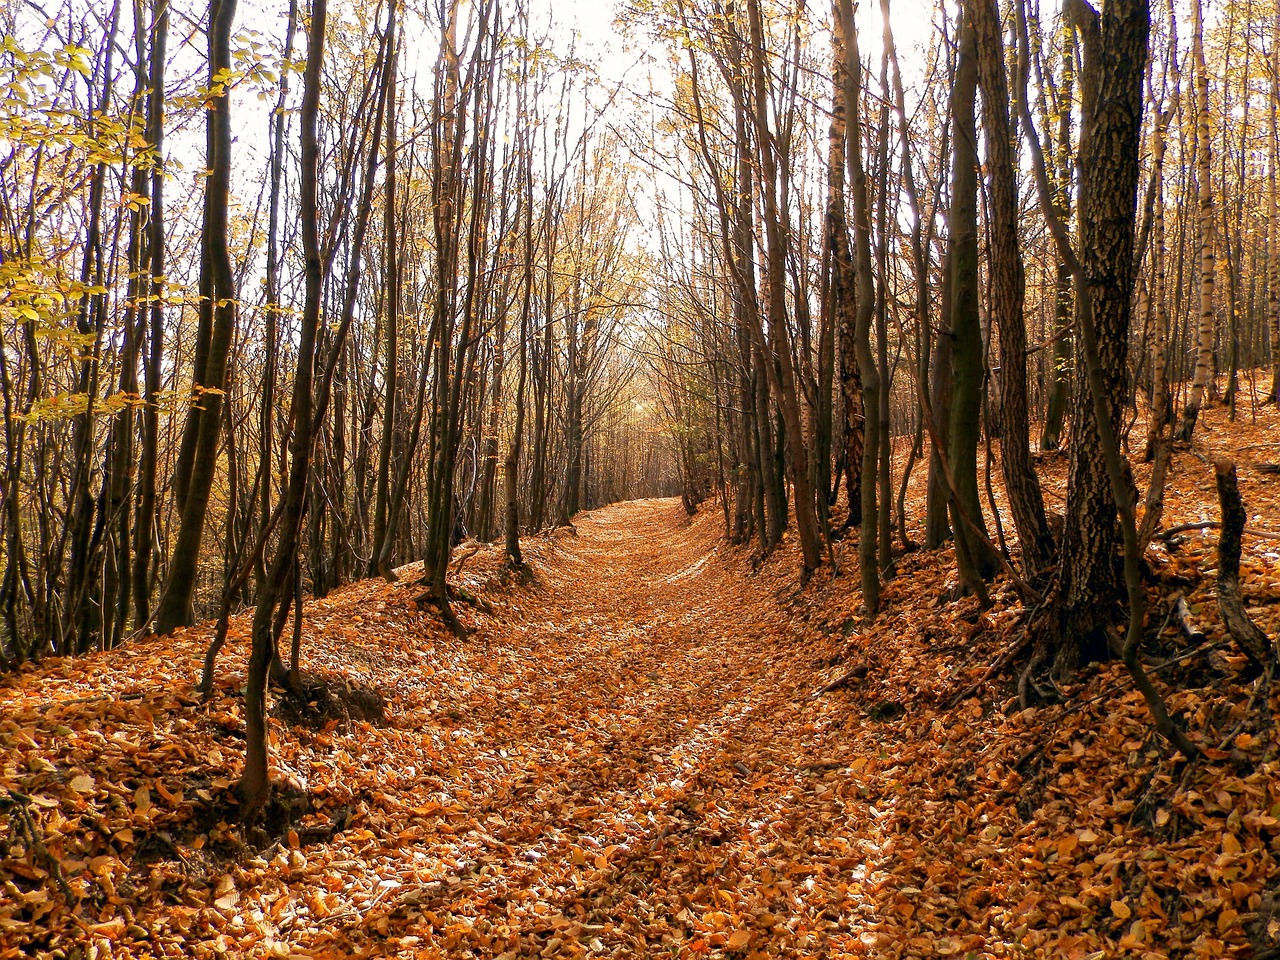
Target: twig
pixel 30 833
pixel 1172 532
pixel 847 680
pixel 1000 663
pixel 1260 693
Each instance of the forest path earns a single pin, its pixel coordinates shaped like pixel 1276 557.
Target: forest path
pixel 621 760
pixel 641 774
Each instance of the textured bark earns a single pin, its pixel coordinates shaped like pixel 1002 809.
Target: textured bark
pixel 868 558
pixel 1114 60
pixel 1007 280
pixel 1160 403
pixel 1273 217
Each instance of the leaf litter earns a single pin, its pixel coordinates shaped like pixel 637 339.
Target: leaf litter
pixel 661 749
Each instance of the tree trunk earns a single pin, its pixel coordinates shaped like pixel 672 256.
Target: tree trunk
pixel 1239 624
pixel 1114 59
pixel 1204 349
pixel 1273 216
pixel 176 607
pixel 380 554
pixel 784 373
pixel 842 283
pixel 1061 352
pixel 1007 290
pixel 254 787
pixel 973 556
pixel 1158 418
pixel 868 558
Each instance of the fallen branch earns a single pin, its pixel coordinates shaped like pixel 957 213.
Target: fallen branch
pixel 847 680
pixel 1002 661
pixel 1181 615
pixel 1212 525
pixel 461 560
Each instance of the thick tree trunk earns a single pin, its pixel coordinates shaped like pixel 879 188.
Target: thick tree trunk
pixel 1114 60
pixel 868 553
pixel 842 284
pixel 1007 290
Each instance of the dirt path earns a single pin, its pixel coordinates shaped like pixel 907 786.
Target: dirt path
pixel 639 776
pixel 619 762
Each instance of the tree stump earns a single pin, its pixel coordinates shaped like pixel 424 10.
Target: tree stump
pixel 1243 630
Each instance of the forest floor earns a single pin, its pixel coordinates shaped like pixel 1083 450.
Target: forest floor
pixel 630 757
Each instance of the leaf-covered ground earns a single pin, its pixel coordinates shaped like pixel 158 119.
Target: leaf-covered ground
pixel 628 758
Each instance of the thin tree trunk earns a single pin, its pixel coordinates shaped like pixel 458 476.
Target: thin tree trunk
pixel 1273 215
pixel 1063 163
pixel 176 604
pixel 1204 349
pixel 973 558
pixel 144 533
pixel 867 537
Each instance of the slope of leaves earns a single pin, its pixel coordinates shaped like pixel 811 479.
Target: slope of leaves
pixel 628 759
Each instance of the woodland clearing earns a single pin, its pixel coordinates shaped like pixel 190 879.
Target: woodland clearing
pixel 629 758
